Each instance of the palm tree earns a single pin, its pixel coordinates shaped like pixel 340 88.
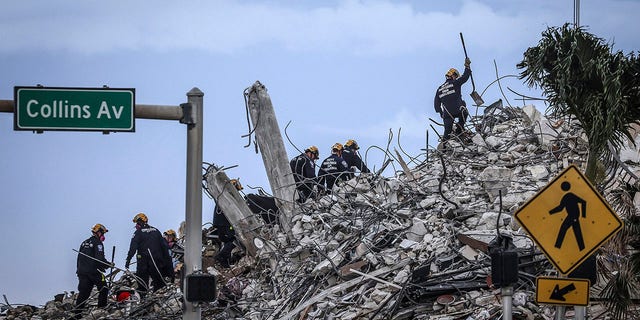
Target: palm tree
pixel 583 78
pixel 621 269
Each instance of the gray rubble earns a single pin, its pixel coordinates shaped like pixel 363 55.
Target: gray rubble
pixel 411 246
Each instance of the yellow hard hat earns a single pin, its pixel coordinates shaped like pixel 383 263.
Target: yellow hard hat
pixel 452 72
pixel 99 227
pixel 171 233
pixel 352 144
pixel 337 146
pixel 314 150
pixel 236 183
pixel 140 217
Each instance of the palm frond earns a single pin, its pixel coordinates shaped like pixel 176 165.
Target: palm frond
pixel 621 286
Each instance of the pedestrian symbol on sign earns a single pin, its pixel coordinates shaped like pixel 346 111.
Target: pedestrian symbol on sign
pixel 574 205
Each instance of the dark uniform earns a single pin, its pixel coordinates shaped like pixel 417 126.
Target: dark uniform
pixel 304 173
pixel 265 206
pixel 226 235
pixel 332 169
pixel 449 95
pixel 151 248
pixel 177 256
pixel 89 273
pixel 352 159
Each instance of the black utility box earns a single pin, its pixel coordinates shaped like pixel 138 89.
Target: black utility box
pixel 504 261
pixel 504 268
pixel 200 287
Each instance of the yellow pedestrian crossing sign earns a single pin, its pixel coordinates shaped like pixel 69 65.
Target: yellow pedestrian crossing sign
pixel 562 291
pixel 568 219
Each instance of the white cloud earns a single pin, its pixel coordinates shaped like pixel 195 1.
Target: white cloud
pixel 354 27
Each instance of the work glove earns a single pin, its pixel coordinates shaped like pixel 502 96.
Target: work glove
pixel 126 264
pixel 467 62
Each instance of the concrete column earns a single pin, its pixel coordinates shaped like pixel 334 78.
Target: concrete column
pixel 274 155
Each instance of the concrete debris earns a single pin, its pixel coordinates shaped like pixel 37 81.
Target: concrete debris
pixel 412 246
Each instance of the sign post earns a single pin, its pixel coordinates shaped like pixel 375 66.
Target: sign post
pixel 106 109
pixel 74 109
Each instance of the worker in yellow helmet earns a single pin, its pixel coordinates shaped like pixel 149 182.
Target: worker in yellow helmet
pixel 304 172
pixel 333 168
pixel 90 267
pixel 152 255
pixel 449 95
pixel 175 250
pixel 352 158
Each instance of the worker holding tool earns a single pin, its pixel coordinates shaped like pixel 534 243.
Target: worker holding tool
pixel 152 255
pixel 333 168
pixel 449 95
pixel 225 232
pixel 352 158
pixel 90 267
pixel 304 172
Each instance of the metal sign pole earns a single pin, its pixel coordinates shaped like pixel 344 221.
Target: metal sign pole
pixel 507 302
pixel 190 114
pixel 193 213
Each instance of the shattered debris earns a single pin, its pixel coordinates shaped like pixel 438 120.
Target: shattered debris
pixel 411 246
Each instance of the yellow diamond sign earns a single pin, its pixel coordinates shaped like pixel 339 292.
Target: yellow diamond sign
pixel 568 219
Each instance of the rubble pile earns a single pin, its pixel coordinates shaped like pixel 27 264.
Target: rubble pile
pixel 412 246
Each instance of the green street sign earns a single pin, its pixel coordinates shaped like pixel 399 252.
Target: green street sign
pixel 74 109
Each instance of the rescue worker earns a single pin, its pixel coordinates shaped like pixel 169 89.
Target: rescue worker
pixel 352 158
pixel 225 232
pixel 333 168
pixel 304 172
pixel 152 255
pixel 90 267
pixel 449 96
pixel 175 250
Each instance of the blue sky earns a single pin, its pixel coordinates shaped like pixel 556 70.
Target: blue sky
pixel 335 70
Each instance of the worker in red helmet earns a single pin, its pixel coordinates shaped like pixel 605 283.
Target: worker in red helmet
pixel 449 95
pixel 152 255
pixel 90 267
